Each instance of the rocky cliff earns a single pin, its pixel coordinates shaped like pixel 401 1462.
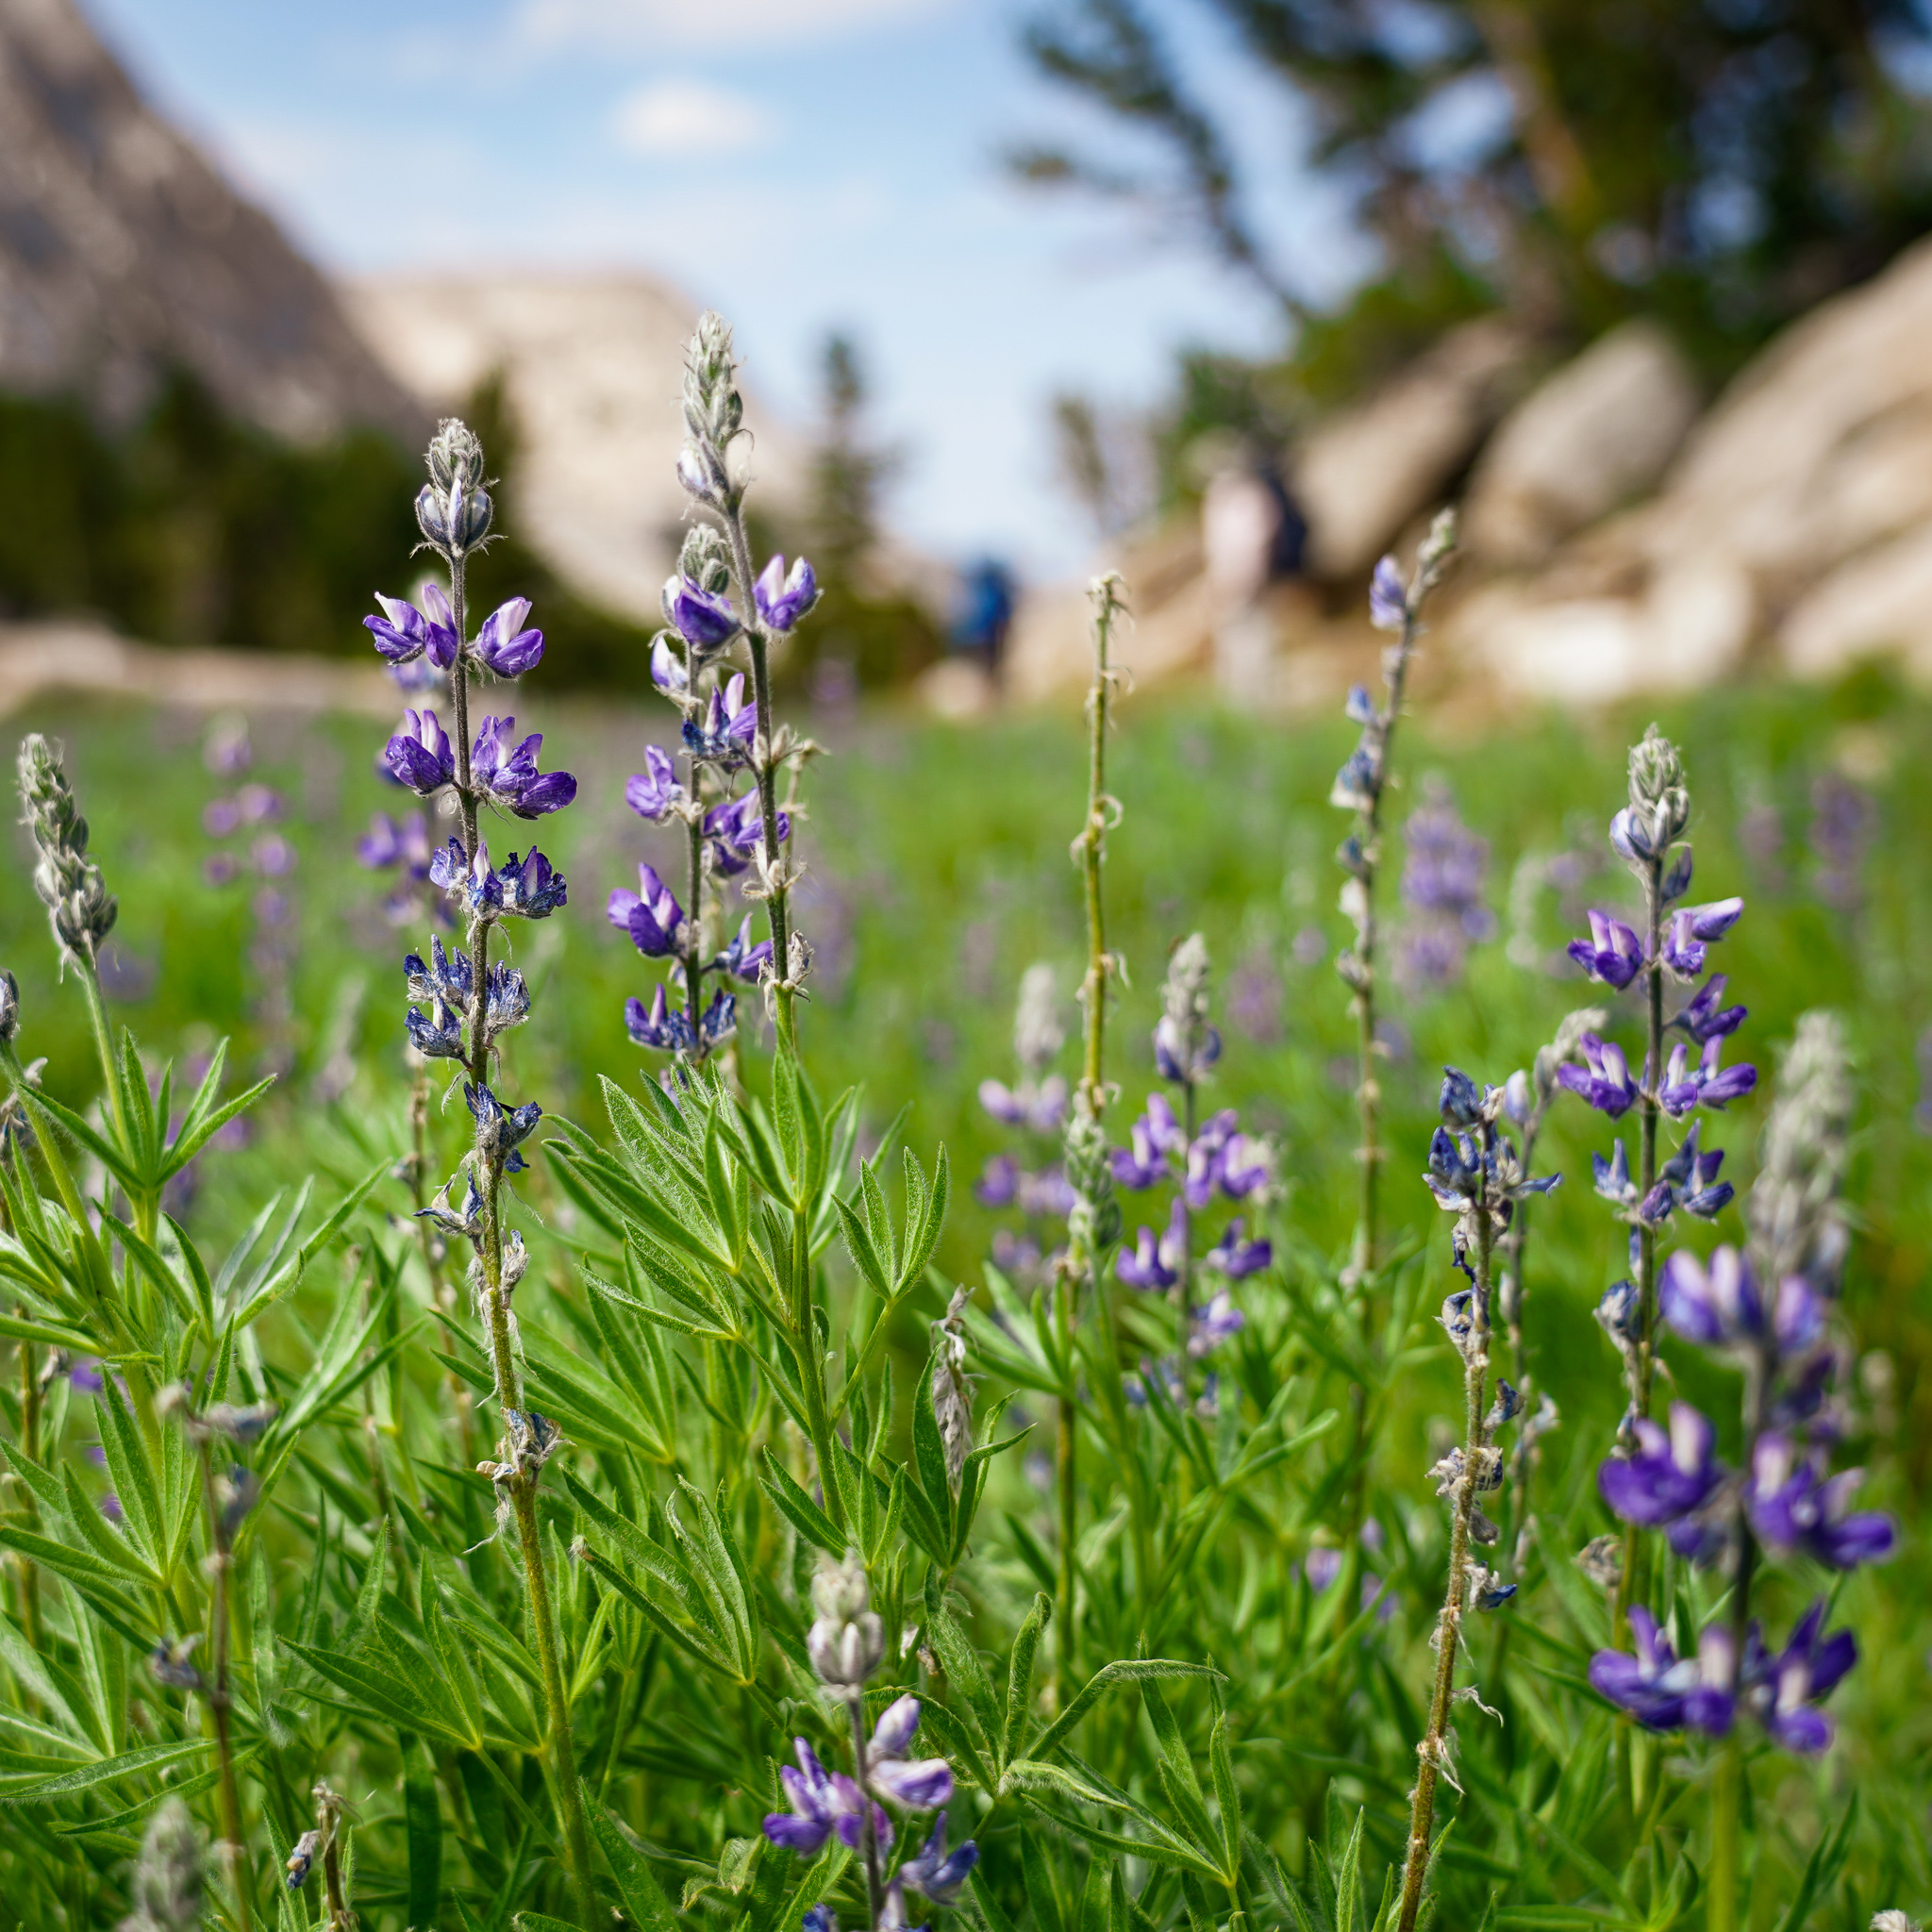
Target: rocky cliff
pixel 123 253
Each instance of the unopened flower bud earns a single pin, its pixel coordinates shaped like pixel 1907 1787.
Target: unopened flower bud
pixel 847 1640
pixel 706 559
pixel 454 456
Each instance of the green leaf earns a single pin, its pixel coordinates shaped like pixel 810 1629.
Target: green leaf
pixel 1020 1677
pixel 965 1674
pixel 129 1764
pixel 1348 1880
pixel 637 1885
pixel 798 1508
pixel 423 1824
pixel 1227 1799
pixel 1137 1670
pixel 1820 1870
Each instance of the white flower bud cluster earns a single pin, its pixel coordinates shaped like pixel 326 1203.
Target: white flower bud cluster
pixel 846 1641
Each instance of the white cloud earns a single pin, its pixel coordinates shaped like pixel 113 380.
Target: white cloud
pixel 638 23
pixel 687 117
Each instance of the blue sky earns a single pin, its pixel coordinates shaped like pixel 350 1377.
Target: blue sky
pixel 798 164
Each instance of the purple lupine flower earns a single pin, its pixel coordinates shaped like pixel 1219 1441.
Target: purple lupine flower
pixel 1388 596
pixel 1246 1164
pixel 1663 1694
pixel 820 1801
pixel 737 829
pixel 1152 1139
pixel 1040 1106
pixel 652 792
pixel 1612 1176
pixel 1794 1505
pixel 783 598
pixel 1233 1257
pixel 499 1129
pixel 728 726
pixel 1693 1176
pixel 998 1185
pixel 479 883
pixel 1604 1079
pixel 530 887
pixel 1359 783
pixel 819 1917
pixel 939 1875
pixel 892 1919
pixel 651 915
pixel 504 645
pixel 1454 1169
pixel 1173 1058
pixel 419 756
pixel 1155 1264
pixel 743 958
pixel 438 1035
pixel 1705 1086
pixel 667 1030
pixel 667 667
pixel 719 1020
pixel 1703 1019
pixel 1612 953
pixel 1216 1322
pixel 86 1376
pixel 1206 1155
pixel 920 1784
pixel 1047 1193
pixel 1843 824
pixel 1721 1307
pixel 1443 875
pixel 447 978
pixel 1783 1689
pixel 403 633
pixel 1671 1472
pixel 1693 928
pixel 1322 1567
pixel 509 774
pixel 704 621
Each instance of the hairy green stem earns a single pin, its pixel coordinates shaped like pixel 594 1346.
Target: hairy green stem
pixel 236 1844
pixel 558 1752
pixel 1626 1591
pixel 1433 1750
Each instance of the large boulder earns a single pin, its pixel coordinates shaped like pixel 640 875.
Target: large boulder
pixel 124 253
pixel 591 367
pixel 1593 435
pixel 1798 517
pixel 1365 474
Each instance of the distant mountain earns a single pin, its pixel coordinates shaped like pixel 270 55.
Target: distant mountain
pixel 123 253
pixel 591 368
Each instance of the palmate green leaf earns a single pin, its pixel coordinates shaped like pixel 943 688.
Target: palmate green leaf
pixel 132 1814
pixel 719 1571
pixel 66 1783
pixel 276 1277
pixel 108 1152
pixel 396 1697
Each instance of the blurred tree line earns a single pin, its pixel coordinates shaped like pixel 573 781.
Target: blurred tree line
pixel 1719 164
pixel 190 528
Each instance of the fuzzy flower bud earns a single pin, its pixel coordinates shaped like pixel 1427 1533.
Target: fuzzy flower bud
pixel 454 456
pixel 1797 1225
pixel 9 1007
pixel 1660 805
pixel 846 1641
pixel 68 882
pixel 1038 1035
pixel 706 559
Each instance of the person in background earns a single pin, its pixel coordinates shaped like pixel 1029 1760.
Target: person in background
pixel 983 613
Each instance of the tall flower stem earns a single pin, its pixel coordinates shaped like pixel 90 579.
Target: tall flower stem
pixel 1433 1751
pixel 219 1699
pixel 765 768
pixel 868 1833
pixel 558 1752
pixel 1090 1234
pixel 1648 1110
